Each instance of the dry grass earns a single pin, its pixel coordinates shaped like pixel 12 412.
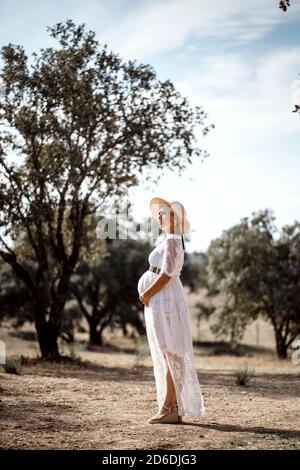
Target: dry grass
pixel 104 400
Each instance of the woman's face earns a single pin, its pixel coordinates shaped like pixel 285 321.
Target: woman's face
pixel 166 219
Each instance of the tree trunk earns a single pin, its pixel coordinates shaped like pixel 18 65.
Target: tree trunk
pixel 95 335
pixel 281 346
pixel 124 328
pixel 47 336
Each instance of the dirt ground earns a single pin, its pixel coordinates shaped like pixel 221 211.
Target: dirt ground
pixel 104 400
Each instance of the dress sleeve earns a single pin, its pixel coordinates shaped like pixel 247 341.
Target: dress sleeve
pixel 170 258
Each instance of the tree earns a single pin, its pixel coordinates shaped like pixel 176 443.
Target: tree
pixel 284 4
pixel 106 290
pixel 194 271
pixel 77 129
pixel 16 301
pixel 256 274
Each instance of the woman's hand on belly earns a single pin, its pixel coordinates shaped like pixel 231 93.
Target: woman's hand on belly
pixel 145 298
pixel 155 287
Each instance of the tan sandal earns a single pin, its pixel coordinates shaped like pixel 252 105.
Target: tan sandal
pixel 170 417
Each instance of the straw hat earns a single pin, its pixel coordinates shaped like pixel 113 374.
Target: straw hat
pixel 176 207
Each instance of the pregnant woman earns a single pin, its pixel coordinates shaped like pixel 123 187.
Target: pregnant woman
pixel 167 319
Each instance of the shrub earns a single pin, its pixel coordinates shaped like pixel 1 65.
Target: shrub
pixel 13 365
pixel 243 375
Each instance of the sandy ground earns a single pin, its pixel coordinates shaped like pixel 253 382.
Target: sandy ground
pixel 104 401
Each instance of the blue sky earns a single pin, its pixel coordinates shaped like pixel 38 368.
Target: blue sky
pixel 239 59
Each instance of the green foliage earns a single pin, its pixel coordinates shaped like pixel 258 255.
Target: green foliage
pixel 71 321
pixel 254 274
pixel 106 290
pixel 194 271
pixel 15 299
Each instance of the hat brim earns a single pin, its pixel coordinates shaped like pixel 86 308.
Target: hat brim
pixel 156 202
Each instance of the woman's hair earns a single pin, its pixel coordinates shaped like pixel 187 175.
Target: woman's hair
pixel 177 224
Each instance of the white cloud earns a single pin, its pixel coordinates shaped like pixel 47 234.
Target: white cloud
pixel 253 161
pixel 157 26
pixel 246 97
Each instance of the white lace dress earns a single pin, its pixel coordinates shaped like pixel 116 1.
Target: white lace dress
pixel 168 328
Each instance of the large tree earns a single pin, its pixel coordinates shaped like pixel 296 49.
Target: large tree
pixel 255 273
pixel 78 126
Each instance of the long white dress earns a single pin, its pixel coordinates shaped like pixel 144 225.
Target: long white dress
pixel 168 329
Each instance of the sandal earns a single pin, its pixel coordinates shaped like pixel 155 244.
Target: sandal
pixel 170 417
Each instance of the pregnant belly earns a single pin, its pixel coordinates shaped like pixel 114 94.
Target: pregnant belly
pixel 145 281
